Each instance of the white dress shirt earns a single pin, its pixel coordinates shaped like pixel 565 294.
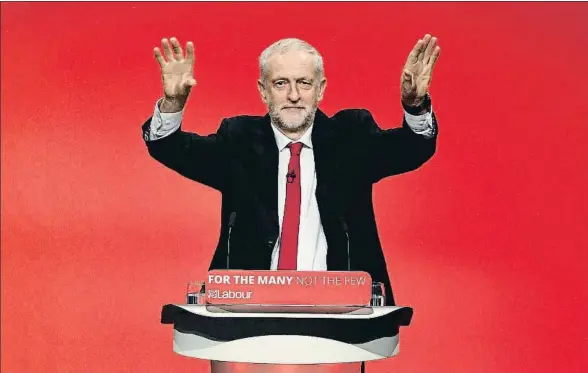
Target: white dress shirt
pixel 312 243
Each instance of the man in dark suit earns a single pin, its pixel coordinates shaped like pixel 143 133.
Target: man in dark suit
pixel 297 182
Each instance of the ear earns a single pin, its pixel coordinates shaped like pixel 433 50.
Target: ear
pixel 262 92
pixel 322 87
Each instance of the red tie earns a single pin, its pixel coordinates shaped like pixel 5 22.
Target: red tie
pixel 289 243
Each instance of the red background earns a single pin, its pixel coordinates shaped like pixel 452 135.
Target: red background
pixel 487 241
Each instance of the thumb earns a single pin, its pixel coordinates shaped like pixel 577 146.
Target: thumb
pixel 407 76
pixel 407 80
pixel 191 82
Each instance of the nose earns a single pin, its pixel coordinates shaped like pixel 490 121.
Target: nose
pixel 293 94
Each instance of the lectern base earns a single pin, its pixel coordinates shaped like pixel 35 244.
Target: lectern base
pixel 284 349
pixel 286 342
pixel 226 367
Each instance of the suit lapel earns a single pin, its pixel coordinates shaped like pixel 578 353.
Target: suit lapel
pixel 264 162
pixel 323 140
pixel 330 186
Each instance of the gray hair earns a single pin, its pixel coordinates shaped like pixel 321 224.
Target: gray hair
pixel 285 45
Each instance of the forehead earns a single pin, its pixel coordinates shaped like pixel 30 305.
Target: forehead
pixel 291 64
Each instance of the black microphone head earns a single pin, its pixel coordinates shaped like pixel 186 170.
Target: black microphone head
pixel 232 219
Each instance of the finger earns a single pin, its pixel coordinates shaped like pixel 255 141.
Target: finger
pixel 178 53
pixel 188 80
pixel 167 50
pixel 434 57
pixel 158 56
pixel 412 57
pixel 190 52
pixel 429 50
pixel 424 44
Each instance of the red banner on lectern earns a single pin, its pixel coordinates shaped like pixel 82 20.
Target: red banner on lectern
pixel 288 287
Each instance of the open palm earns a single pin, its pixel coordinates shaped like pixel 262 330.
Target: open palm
pixel 177 70
pixel 418 71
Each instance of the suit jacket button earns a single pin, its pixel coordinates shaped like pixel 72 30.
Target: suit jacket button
pixel 270 243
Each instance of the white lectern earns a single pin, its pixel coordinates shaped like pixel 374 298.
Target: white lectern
pixel 298 335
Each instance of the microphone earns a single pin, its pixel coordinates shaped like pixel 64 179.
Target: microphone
pixel 344 225
pixel 231 224
pixel 291 176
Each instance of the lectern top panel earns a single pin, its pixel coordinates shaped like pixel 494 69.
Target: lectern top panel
pixel 402 313
pixel 296 309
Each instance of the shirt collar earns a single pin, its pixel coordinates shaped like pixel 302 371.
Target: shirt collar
pixel 282 140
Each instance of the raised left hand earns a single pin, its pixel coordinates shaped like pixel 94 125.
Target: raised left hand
pixel 418 71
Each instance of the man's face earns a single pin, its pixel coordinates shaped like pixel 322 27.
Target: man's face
pixel 292 90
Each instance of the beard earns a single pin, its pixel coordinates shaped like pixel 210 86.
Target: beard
pixel 297 121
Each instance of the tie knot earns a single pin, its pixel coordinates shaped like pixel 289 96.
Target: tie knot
pixel 295 148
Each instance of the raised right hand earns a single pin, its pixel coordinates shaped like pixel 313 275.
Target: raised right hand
pixel 418 70
pixel 177 74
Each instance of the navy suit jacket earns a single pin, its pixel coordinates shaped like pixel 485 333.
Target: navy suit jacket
pixel 241 161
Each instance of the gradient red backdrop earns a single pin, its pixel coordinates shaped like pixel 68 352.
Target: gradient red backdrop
pixel 488 241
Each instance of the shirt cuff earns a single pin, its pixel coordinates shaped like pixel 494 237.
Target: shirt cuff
pixel 421 124
pixel 163 124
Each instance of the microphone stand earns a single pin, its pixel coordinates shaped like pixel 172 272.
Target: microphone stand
pixel 344 225
pixel 231 224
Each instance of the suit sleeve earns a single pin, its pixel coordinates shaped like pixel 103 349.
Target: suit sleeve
pixel 199 158
pixel 393 151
